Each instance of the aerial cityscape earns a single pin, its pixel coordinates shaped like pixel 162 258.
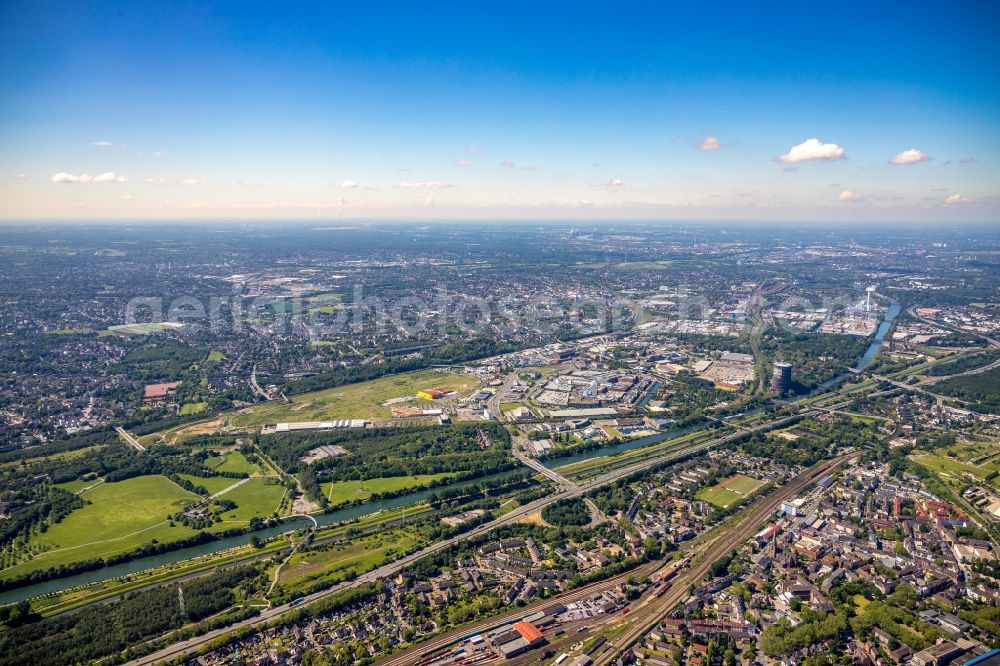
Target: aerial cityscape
pixel 431 336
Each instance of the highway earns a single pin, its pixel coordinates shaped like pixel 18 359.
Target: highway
pixel 642 618
pixel 534 464
pixel 391 569
pixel 706 549
pixel 493 404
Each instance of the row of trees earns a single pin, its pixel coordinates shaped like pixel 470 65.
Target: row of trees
pixel 102 630
pixel 374 453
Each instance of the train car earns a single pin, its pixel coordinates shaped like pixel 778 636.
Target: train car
pixel 595 646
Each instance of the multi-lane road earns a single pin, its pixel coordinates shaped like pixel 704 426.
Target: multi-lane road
pixel 185 647
pixel 651 610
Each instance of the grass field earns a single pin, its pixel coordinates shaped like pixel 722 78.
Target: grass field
pixel 359 555
pixel 120 517
pixel 215 355
pixel 193 408
pixel 64 455
pixel 357 401
pixel 212 483
pixel 955 467
pixel 339 492
pixel 257 497
pixel 76 485
pixel 729 492
pixel 234 461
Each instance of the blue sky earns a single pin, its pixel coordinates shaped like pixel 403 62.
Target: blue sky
pixel 456 110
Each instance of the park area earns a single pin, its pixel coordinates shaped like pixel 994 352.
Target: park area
pixel 337 561
pixel 960 469
pixel 342 492
pixel 730 491
pixel 365 400
pixel 119 517
pixel 122 516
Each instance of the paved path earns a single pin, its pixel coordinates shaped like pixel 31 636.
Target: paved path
pixel 388 570
pixel 130 439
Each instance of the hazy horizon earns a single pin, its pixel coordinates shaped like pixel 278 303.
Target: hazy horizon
pixel 836 113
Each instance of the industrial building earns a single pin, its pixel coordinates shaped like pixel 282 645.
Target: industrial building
pixel 781 379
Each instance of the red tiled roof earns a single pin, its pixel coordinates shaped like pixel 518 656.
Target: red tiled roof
pixel 528 631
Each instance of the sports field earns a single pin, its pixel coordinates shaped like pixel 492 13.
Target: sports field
pixel 355 401
pixel 339 492
pixel 730 491
pixel 120 517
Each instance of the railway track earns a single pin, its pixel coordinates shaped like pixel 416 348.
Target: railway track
pixel 648 613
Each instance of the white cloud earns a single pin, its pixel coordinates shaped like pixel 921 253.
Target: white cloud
pixel 63 177
pixel 476 150
pixel 812 149
pixel 968 160
pixel 158 153
pixel 126 197
pixel 101 144
pixel 348 184
pixel 110 177
pixel 508 164
pixel 190 181
pixel 954 199
pixel 850 196
pixel 427 184
pixel 709 143
pixel 911 156
pixel 464 163
pixel 22 176
pixel 156 181
pixel 614 182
